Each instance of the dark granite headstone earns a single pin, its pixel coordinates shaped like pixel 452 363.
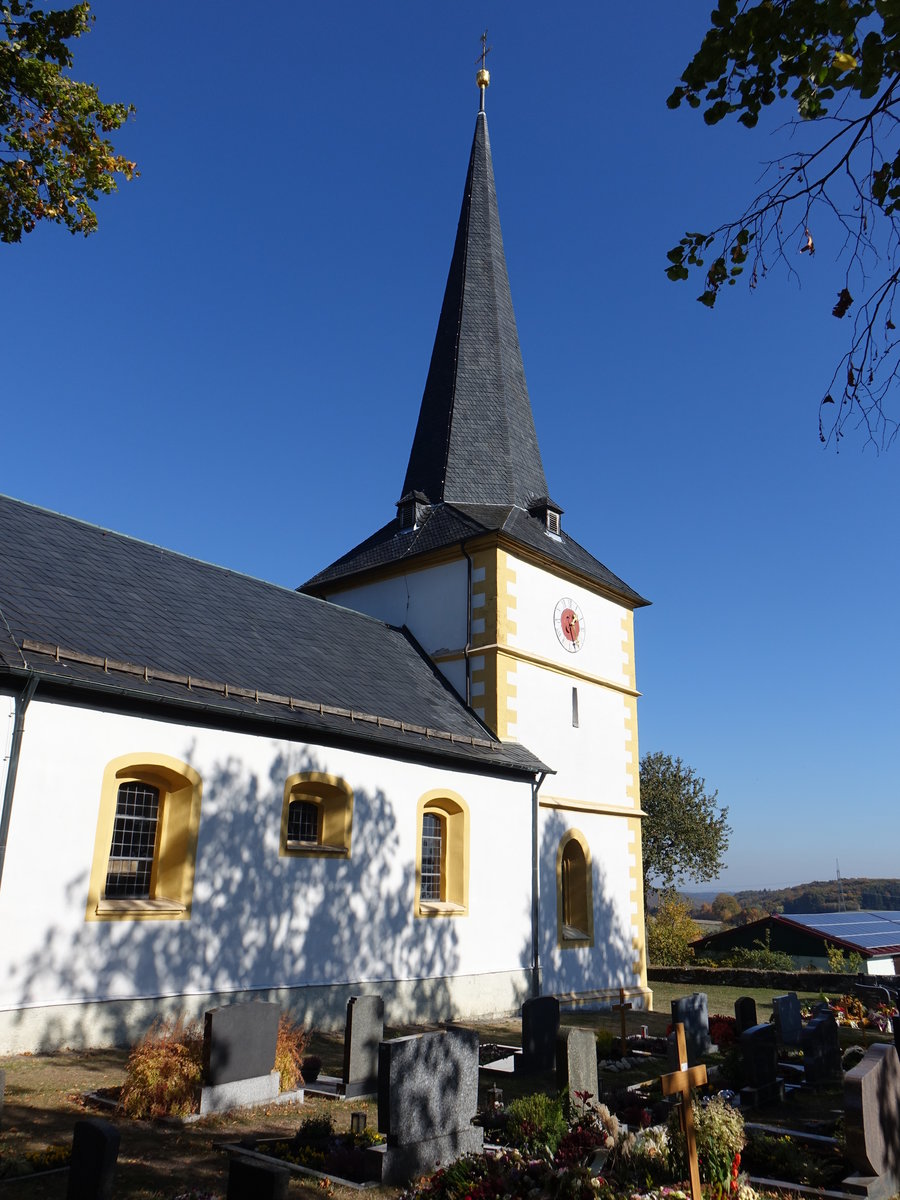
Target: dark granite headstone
pixel 693 1012
pixel 427 1097
pixel 872 994
pixel 872 1114
pixel 758 1047
pixel 576 1062
pixel 362 1035
pixel 788 1021
pixel 895 1025
pixel 821 1048
pixel 250 1180
pixel 239 1042
pixel 92 1171
pixel 540 1025
pixel 745 1013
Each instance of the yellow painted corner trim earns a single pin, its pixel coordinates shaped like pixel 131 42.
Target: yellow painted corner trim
pixel 333 797
pixel 454 811
pixel 581 893
pixel 172 876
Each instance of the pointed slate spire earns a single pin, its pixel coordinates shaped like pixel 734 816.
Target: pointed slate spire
pixel 475 441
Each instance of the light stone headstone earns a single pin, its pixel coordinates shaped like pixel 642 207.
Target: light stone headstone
pixel 788 1021
pixel 92 1170
pixel 693 1013
pixel 363 1033
pixel 872 1114
pixel 540 1025
pixel 576 1063
pixel 745 1013
pixel 427 1097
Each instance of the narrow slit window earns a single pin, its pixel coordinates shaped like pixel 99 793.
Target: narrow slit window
pixel 574 707
pixel 133 843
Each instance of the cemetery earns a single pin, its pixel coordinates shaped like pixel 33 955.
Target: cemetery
pixel 618 1102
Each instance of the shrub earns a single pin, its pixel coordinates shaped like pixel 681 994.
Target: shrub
pixel 670 932
pixel 536 1124
pixel 164 1071
pixel 720 1140
pixel 605 1041
pixel 289 1051
pixel 723 1030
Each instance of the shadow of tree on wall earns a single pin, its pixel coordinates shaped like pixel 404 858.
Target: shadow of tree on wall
pixel 609 962
pixel 259 922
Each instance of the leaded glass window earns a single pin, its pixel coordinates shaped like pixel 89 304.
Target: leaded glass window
pixel 303 821
pixel 133 841
pixel 432 854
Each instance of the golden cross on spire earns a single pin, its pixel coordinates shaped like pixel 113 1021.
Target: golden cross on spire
pixel 483 78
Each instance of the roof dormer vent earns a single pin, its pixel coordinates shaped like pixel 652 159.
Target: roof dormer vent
pixel 411 510
pixel 549 513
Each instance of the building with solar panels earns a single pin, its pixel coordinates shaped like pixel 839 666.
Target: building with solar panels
pixel 874 936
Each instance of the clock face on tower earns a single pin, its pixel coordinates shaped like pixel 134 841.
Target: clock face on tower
pixel 569 625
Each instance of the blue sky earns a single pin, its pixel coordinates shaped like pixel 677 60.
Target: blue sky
pixel 232 366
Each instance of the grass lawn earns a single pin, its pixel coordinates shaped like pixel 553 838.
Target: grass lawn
pixel 721 999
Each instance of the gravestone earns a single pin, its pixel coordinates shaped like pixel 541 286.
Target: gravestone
pixel 427 1097
pixel 872 994
pixel 239 1043
pixel 576 1063
pixel 788 1021
pixel 745 1013
pixel 821 1048
pixel 693 1013
pixel 250 1180
pixel 758 1047
pixel 872 1121
pixel 540 1025
pixel 363 1034
pixel 895 1025
pixel 92 1171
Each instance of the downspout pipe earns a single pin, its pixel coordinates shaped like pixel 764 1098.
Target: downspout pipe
pixel 21 701
pixel 535 888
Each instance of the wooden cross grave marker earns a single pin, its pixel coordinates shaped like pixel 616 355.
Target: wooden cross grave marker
pixel 623 1008
pixel 681 1082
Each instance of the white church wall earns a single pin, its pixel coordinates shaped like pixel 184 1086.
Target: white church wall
pixel 7 722
pixel 430 602
pixel 609 963
pixel 537 593
pixel 311 929
pixel 592 760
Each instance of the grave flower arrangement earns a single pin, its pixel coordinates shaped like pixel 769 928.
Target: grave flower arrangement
pixel 32 1162
pixel 318 1147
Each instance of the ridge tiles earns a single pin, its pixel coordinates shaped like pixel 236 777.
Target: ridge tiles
pixel 475 441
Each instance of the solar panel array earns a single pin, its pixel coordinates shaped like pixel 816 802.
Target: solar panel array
pixel 867 930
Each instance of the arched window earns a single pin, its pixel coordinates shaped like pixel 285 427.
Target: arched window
pixel 316 816
pixel 442 855
pixel 574 894
pixel 145 846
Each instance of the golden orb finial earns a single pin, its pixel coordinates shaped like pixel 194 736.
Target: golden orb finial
pixel 483 78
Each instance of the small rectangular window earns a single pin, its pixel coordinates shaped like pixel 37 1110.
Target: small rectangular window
pixel 574 707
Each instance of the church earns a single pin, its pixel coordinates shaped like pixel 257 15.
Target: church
pixel 415 775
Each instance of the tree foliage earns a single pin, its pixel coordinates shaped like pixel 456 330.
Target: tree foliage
pixel 55 157
pixel 684 834
pixel 836 64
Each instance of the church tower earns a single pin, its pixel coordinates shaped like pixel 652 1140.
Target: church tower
pixel 531 630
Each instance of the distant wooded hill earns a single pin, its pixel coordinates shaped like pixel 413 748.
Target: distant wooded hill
pixel 825 896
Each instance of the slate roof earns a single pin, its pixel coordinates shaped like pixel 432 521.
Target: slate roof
pixel 475 441
pixel 448 525
pixel 475 454
pixel 147 627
